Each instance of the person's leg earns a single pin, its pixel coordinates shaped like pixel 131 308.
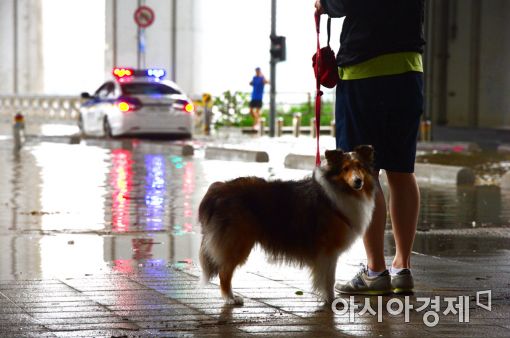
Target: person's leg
pixel 252 114
pixel 366 281
pixel 374 236
pixel 358 121
pixel 404 211
pixel 256 116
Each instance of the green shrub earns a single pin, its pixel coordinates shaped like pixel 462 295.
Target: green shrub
pixel 232 109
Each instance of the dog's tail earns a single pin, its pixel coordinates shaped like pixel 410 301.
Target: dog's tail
pixel 208 204
pixel 209 268
pixel 205 214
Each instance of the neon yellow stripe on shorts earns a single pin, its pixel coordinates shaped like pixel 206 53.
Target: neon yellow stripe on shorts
pixel 387 64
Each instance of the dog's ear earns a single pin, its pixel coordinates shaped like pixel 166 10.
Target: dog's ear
pixel 334 157
pixel 365 153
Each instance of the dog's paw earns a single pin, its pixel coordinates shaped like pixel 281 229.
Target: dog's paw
pixel 235 300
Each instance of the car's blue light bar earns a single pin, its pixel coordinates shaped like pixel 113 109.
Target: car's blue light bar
pixel 157 73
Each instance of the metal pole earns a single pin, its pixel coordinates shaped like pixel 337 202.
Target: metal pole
pixel 474 76
pixel 139 36
pixel 173 41
pixel 114 33
pixel 15 47
pixel 272 103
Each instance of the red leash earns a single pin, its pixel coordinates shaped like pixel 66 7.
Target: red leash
pixel 318 92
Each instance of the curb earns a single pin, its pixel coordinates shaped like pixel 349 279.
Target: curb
pixel 505 180
pixel 229 154
pixel 107 144
pixel 178 149
pixel 302 162
pixel 425 173
pixel 443 174
pixel 504 148
pixel 456 147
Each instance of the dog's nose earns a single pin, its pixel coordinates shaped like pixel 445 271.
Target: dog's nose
pixel 357 183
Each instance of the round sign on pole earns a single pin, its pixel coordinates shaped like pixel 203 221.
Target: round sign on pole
pixel 144 16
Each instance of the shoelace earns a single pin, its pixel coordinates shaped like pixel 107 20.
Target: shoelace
pixel 362 270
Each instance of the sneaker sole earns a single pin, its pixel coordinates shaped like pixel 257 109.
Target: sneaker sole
pixel 366 293
pixel 399 291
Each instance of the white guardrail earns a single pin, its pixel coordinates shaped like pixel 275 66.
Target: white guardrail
pixel 67 107
pixel 54 107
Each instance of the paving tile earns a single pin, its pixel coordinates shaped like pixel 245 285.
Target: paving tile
pixel 26 333
pixel 101 333
pixel 70 315
pixel 468 330
pixel 173 304
pixel 51 304
pixel 93 326
pixel 56 308
pixel 112 318
pixel 277 329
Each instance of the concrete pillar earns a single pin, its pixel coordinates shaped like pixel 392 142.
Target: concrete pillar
pixel 21 41
pixel 7 47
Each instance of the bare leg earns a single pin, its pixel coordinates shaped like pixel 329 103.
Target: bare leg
pixel 256 117
pixel 404 210
pixel 252 113
pixel 374 236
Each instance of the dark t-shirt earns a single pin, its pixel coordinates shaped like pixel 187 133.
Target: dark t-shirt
pixel 376 27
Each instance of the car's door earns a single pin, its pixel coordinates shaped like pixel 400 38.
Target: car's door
pixel 97 107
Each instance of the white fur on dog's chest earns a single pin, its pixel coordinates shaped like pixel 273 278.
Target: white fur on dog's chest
pixel 357 209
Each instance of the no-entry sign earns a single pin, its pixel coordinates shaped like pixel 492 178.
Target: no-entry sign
pixel 144 16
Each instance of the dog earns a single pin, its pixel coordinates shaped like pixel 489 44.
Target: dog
pixel 308 222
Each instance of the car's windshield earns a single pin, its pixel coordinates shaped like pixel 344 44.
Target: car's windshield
pixel 147 89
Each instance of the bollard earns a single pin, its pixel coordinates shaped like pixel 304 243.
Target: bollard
pixel 207 120
pixel 313 128
pixel 18 131
pixel 207 113
pixel 296 124
pixel 425 131
pixel 279 126
pixel 333 128
pixel 262 125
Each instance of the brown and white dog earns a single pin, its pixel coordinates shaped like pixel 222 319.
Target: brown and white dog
pixel 309 222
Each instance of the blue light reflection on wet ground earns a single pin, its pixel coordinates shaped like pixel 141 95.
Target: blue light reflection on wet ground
pixel 87 207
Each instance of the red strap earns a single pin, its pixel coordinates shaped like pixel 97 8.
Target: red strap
pixel 318 93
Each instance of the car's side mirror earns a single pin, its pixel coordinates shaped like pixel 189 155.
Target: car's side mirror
pixel 85 95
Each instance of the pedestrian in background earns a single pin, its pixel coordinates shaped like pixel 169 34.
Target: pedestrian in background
pixel 379 101
pixel 258 82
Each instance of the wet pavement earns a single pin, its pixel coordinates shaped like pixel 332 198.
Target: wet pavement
pixel 101 238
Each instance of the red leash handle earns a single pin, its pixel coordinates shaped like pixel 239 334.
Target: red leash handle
pixel 318 92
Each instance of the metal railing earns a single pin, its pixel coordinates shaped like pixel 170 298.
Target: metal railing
pixel 67 107
pixel 53 107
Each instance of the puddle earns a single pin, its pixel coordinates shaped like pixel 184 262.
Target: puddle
pixel 78 209
pixel 488 166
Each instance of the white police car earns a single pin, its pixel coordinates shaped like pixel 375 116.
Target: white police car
pixel 136 102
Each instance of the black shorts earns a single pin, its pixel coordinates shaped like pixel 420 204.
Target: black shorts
pixel 256 104
pixel 384 112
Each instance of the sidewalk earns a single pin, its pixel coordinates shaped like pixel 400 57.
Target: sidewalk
pixel 167 301
pixel 149 297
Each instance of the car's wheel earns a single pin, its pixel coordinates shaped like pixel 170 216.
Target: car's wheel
pixel 107 129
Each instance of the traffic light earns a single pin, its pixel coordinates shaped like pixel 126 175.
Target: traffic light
pixel 277 50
